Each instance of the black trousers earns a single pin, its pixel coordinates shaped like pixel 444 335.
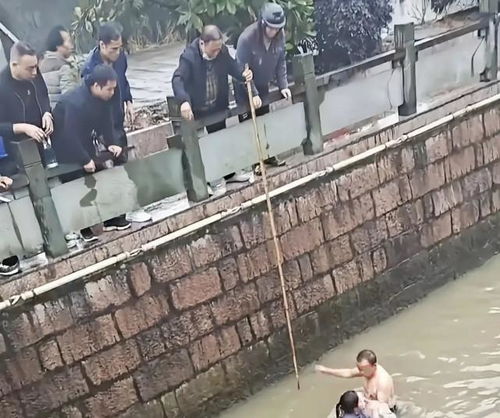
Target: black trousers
pixel 216 127
pixel 258 112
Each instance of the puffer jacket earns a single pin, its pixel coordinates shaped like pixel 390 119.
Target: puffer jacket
pixel 59 74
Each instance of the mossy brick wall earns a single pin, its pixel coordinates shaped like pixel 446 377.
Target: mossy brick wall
pixel 190 328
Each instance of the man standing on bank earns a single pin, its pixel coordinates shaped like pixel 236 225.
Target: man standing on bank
pixel 24 111
pixel 378 384
pixel 110 52
pixel 262 47
pixel 59 71
pixel 200 84
pixel 81 116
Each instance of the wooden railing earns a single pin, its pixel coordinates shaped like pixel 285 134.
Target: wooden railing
pixel 43 209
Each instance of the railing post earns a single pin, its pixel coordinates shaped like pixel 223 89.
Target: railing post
pixel 490 7
pixel 303 70
pixel 404 35
pixel 45 211
pixel 194 170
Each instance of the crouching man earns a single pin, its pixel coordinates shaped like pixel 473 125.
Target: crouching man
pixel 84 120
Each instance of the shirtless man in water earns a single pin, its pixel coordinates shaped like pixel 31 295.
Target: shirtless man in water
pixel 377 385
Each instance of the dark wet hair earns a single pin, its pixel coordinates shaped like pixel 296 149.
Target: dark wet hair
pixel 110 31
pixel 348 403
pixel 367 355
pixel 55 39
pixel 20 49
pixel 211 33
pixel 101 74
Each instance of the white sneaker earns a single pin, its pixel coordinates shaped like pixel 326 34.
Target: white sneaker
pixel 71 244
pixel 72 236
pixel 242 177
pixel 217 187
pixel 139 216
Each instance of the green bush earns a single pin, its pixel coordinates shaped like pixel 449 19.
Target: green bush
pixel 349 30
pixel 187 17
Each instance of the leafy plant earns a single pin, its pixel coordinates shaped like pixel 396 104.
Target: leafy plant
pixel 349 30
pixel 140 19
pixel 188 17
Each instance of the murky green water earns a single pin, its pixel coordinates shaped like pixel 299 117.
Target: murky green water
pixel 443 353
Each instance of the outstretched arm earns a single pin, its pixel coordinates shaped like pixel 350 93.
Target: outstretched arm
pixel 345 373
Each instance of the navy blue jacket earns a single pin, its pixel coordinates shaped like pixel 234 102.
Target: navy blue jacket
pixel 77 116
pixel 122 93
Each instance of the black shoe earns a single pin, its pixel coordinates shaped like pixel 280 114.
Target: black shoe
pixel 117 224
pixel 88 235
pixel 9 267
pixel 274 162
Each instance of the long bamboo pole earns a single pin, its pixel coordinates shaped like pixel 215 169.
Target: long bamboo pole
pixel 277 248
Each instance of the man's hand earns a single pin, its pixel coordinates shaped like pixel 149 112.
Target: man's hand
pixel 5 183
pixel 186 111
pixel 34 132
pixel 319 368
pixel 248 75
pixel 286 93
pixel 115 150
pixel 257 102
pixel 89 167
pixel 48 123
pixel 129 113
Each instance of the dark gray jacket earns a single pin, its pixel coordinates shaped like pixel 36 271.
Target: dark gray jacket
pixel 268 65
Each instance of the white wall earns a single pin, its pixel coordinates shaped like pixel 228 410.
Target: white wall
pixel 418 10
pixel 3 60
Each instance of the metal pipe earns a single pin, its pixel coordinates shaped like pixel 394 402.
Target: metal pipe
pixel 8 33
pixel 196 226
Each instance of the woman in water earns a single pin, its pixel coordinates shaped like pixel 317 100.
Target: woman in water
pixel 348 406
pixel 353 405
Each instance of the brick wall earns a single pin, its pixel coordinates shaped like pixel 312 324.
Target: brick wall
pixel 190 328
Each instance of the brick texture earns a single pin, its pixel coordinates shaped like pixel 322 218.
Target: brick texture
pixel 163 373
pixel 171 264
pixel 141 315
pixel 50 356
pixel 293 243
pixel 113 290
pixel 112 363
pixel 117 398
pixel 53 391
pixel 236 304
pixel 140 279
pixel 436 231
pixel 196 288
pixel 81 341
pixel 346 277
pixel 313 294
pixel 214 347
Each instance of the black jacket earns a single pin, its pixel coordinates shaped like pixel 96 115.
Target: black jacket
pixel 77 116
pixel 190 78
pixel 122 92
pixel 12 107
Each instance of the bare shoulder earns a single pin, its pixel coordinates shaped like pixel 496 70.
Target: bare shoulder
pixel 384 376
